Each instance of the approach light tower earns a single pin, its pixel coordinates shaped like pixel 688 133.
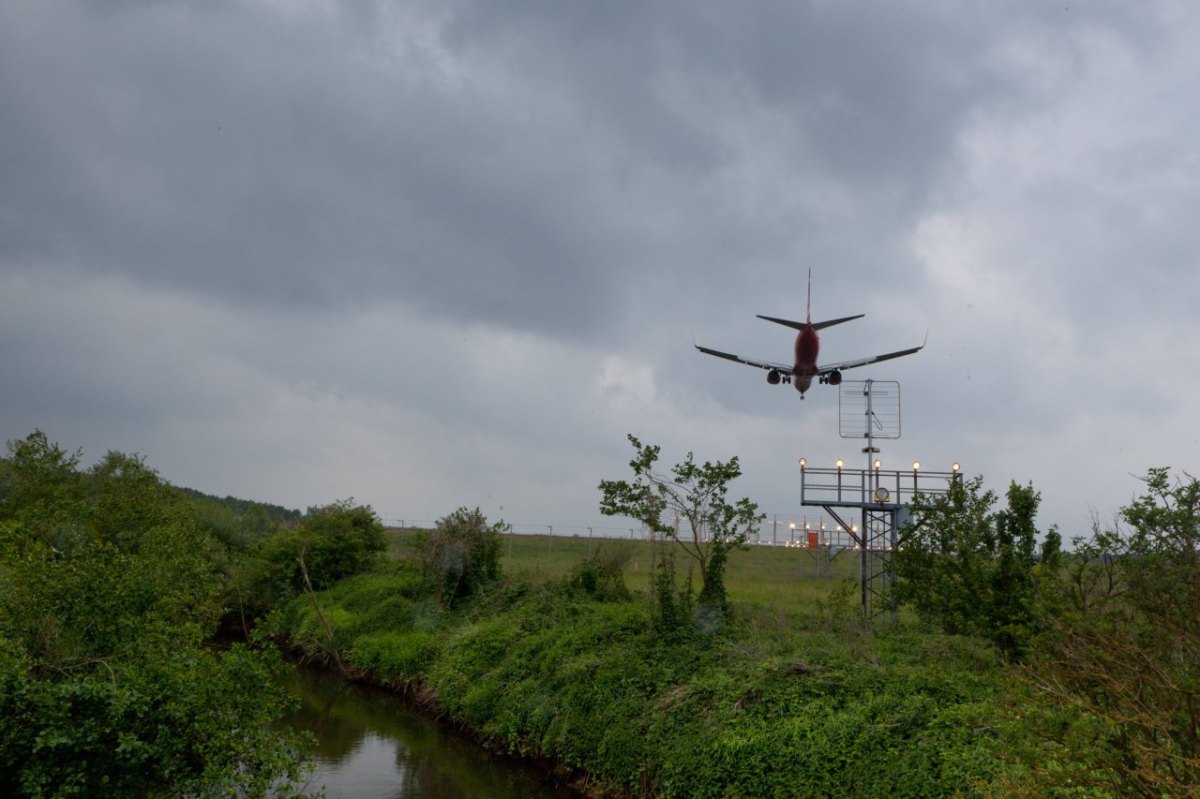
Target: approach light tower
pixel 870 409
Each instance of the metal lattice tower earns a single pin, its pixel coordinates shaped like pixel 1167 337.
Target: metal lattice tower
pixel 870 409
pixel 881 532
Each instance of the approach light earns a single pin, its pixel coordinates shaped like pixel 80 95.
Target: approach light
pixel 792 525
pixel 803 463
pixel 916 466
pixel 878 463
pixel 840 463
pixel 954 467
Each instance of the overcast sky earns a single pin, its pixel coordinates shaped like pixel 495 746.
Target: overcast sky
pixel 433 254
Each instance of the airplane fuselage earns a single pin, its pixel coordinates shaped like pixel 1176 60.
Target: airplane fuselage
pixel 808 346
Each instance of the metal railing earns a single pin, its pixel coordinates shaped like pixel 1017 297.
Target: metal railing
pixel 870 488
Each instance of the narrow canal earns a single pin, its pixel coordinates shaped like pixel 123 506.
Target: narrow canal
pixel 371 746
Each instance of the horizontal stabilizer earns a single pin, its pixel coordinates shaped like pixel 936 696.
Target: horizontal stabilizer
pixel 815 325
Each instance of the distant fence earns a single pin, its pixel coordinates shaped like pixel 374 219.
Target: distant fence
pixel 807 531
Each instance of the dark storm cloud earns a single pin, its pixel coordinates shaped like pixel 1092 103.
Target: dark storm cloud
pixel 249 156
pixel 504 162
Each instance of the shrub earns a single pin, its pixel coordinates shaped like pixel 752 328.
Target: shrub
pixel 339 540
pixel 973 571
pixel 460 555
pixel 601 576
pixel 671 606
pixel 394 657
pixel 334 542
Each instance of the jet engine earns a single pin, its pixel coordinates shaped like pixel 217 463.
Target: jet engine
pixel 773 377
pixel 834 378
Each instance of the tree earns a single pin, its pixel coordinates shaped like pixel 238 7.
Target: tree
pixel 695 494
pixel 972 571
pixel 1013 581
pixel 128 498
pixel 1119 668
pixel 39 484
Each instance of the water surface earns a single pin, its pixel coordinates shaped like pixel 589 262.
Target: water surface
pixel 370 745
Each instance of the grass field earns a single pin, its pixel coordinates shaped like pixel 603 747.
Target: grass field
pixel 772 578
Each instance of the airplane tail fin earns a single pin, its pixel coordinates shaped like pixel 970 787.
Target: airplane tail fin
pixel 808 307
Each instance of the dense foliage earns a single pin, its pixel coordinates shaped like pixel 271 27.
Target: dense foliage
pixel 973 571
pixel 1109 699
pixel 109 586
pixel 1116 677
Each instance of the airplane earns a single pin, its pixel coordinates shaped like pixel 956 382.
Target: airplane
pixel 801 373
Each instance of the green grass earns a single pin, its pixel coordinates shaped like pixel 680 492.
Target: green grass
pixel 780 579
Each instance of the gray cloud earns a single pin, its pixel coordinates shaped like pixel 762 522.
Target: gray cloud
pixel 431 253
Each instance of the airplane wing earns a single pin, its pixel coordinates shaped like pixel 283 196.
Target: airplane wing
pixel 780 367
pixel 825 369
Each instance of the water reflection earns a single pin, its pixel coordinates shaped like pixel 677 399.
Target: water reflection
pixel 370 746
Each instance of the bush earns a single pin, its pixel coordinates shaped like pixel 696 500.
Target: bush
pixel 460 555
pixel 180 721
pixel 394 658
pixel 671 606
pixel 331 543
pixel 972 571
pixel 339 540
pixel 601 575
